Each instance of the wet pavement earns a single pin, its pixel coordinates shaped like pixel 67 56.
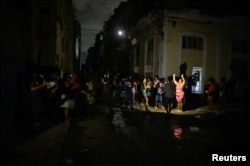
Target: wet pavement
pixel 120 136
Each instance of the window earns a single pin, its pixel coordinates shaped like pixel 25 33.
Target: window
pixel 150 51
pixel 240 46
pixel 151 44
pixel 192 42
pixel 137 55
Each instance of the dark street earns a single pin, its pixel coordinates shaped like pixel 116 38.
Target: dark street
pixel 132 137
pixel 124 82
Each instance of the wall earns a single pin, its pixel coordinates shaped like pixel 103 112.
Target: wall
pixel 218 34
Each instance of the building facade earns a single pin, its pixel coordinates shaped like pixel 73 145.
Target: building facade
pixel 194 45
pixel 33 33
pixel 43 32
pixel 67 38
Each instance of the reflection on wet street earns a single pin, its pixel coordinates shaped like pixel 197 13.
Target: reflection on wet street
pixel 119 136
pixel 124 137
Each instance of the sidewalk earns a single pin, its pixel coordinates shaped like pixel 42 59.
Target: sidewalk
pixel 196 111
pixel 44 149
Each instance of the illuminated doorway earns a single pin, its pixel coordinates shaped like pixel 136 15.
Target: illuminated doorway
pixel 197 76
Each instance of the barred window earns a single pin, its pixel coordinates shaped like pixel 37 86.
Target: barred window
pixel 192 42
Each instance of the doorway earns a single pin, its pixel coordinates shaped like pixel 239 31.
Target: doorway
pixel 197 82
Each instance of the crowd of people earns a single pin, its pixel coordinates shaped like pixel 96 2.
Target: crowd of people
pixel 156 92
pixel 81 92
pixel 172 92
pixel 71 94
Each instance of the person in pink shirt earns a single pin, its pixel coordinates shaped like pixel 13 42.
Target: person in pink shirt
pixel 210 93
pixel 179 91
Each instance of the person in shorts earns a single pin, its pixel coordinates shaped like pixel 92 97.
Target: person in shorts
pixel 169 95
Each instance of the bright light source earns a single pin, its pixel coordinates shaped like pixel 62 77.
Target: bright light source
pixel 120 33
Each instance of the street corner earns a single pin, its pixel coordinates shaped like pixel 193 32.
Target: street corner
pixel 197 111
